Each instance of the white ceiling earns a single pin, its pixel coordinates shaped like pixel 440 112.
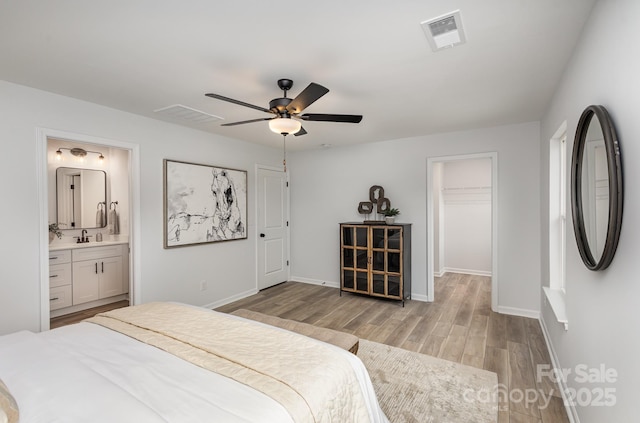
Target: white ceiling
pixel 142 55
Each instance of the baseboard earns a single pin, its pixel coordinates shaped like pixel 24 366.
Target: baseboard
pixel 466 271
pixel 86 306
pixel 231 299
pixel 440 273
pixel 532 314
pixel 417 297
pixel 420 297
pixel 569 405
pixel 330 284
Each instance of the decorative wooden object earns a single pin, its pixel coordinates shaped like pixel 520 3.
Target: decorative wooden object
pixel 383 205
pixel 377 199
pixel 365 207
pixel 375 193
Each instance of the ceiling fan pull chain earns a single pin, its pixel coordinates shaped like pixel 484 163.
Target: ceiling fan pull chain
pixel 284 152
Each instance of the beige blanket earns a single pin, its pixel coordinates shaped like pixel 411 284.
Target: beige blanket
pixel 311 380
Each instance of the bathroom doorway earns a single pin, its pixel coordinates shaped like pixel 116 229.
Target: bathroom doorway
pixel 89 191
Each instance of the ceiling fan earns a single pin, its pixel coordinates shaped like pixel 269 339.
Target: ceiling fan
pixel 286 111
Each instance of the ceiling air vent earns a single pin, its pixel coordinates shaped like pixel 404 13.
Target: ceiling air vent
pixel 178 111
pixel 444 31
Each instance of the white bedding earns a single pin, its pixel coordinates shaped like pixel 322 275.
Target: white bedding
pixel 87 373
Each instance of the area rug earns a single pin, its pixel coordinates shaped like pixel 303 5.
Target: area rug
pixel 419 388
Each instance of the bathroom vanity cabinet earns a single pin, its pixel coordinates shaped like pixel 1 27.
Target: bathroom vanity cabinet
pixel 85 275
pixel 60 295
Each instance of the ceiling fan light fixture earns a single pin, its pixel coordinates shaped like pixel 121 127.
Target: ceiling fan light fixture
pixel 284 125
pixel 283 109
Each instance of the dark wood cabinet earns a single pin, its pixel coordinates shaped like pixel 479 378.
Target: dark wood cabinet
pixel 375 259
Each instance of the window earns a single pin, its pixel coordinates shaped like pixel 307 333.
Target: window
pixel 556 291
pixel 559 283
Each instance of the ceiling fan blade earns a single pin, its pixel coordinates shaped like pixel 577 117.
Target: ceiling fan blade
pixel 306 97
pixel 238 102
pixel 300 132
pixel 319 117
pixel 245 121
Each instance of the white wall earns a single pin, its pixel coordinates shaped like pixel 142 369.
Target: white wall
pixel 328 184
pixel 166 274
pixel 602 307
pixel 118 175
pixel 467 216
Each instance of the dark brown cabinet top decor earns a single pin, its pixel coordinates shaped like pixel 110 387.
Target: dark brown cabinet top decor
pixel 596 188
pixel 377 203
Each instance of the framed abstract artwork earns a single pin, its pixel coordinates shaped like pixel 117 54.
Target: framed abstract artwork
pixel 203 204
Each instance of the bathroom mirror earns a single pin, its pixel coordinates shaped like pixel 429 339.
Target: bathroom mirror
pixel 81 196
pixel 596 188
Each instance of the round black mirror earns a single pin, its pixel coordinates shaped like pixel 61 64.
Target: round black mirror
pixel 596 188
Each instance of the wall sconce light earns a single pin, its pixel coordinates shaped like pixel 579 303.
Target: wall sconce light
pixel 81 153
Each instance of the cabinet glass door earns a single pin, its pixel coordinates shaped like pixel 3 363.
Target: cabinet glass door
pixel 378 242
pixel 378 237
pixel 394 239
pixel 362 282
pixel 355 258
pixel 362 259
pixel 362 236
pixel 393 283
pixel 378 261
pixel 348 238
pixel 347 257
pixel 393 262
pixel 348 279
pixel 378 284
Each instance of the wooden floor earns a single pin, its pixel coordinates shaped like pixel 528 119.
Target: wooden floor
pixel 79 316
pixel 459 326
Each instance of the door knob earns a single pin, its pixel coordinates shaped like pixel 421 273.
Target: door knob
pixel 261 235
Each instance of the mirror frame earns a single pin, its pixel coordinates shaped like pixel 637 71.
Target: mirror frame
pixel 614 170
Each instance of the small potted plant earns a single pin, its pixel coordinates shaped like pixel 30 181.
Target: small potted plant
pixel 390 215
pixel 54 230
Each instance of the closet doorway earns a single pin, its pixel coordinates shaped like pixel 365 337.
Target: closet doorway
pixel 462 218
pixel 113 237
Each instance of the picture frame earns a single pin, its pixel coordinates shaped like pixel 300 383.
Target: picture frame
pixel 203 203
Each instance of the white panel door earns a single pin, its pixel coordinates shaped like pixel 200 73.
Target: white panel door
pixel 273 248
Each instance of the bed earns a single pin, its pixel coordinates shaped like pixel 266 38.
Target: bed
pixel 168 362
